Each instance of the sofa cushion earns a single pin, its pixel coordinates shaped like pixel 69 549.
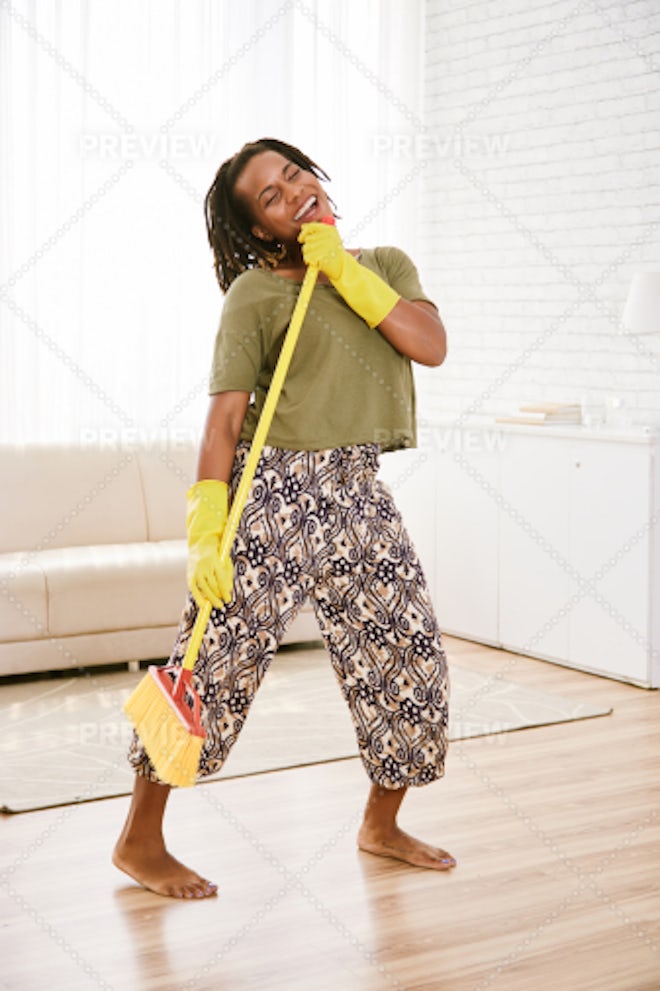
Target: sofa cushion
pixel 114 587
pixel 23 612
pixel 62 496
pixel 167 471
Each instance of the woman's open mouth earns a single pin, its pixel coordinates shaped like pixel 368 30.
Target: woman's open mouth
pixel 307 209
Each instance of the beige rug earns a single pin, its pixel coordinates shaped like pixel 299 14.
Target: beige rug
pixel 64 740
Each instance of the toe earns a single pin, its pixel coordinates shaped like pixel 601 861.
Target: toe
pixel 202 889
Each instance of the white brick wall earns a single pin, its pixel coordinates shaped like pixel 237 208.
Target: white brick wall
pixel 529 246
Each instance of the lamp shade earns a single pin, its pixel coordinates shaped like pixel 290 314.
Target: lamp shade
pixel 641 314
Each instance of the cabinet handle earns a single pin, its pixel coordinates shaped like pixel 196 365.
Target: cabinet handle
pixel 578 464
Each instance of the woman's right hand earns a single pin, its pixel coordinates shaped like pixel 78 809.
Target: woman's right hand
pixel 210 578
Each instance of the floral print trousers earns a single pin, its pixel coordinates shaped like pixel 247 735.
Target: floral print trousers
pixel 319 525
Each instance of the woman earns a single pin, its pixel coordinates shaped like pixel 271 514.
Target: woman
pixel 318 523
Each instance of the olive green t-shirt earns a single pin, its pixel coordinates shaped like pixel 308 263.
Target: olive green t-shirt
pixel 346 384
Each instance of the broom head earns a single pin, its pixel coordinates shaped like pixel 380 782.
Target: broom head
pixel 165 711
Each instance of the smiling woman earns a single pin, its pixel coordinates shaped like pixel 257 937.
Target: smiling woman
pixel 318 524
pixel 285 181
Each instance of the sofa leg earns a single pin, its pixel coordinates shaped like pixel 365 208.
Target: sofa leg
pixel 133 665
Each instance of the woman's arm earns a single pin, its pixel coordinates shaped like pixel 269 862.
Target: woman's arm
pixel 416 330
pixel 221 434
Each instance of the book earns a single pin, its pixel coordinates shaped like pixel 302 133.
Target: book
pixel 542 413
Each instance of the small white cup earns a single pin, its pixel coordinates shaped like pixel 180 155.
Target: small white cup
pixel 593 410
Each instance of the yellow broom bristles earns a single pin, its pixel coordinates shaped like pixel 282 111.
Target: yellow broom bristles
pixel 172 749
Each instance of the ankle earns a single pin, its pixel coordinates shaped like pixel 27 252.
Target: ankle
pixel 135 836
pixel 144 823
pixel 374 826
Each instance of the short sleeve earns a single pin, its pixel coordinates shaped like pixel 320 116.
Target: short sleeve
pixel 401 273
pixel 238 352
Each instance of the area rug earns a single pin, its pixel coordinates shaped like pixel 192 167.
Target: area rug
pixel 64 740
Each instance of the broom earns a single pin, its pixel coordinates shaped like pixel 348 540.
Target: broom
pixel 164 708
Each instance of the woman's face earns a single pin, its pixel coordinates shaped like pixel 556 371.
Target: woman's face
pixel 280 197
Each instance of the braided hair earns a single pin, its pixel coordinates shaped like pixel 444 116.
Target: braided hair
pixel 228 223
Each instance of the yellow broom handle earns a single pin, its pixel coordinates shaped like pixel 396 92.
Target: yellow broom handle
pixel 197 634
pixel 260 434
pixel 258 442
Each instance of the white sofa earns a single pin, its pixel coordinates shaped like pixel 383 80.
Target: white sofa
pixel 92 554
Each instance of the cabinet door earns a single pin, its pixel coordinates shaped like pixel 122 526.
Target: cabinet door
pixel 534 571
pixel 467 532
pixel 410 476
pixel 609 548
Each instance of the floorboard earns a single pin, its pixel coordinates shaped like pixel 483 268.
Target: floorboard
pixel 556 831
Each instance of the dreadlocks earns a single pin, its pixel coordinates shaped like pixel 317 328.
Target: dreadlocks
pixel 228 223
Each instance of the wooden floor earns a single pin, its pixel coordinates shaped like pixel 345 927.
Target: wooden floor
pixel 556 831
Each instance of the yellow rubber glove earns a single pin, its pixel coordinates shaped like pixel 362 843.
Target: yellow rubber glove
pixel 364 291
pixel 209 578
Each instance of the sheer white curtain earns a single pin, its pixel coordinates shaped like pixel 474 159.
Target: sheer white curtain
pixel 114 117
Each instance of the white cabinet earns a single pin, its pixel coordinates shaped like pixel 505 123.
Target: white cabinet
pixel 534 574
pixel 411 477
pixel 547 544
pixel 610 523
pixel 467 532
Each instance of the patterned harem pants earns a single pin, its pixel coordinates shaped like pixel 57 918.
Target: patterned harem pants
pixel 319 525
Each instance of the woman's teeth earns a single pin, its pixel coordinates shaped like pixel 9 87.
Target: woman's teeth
pixel 307 205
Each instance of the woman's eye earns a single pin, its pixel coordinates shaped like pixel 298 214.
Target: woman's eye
pixel 272 199
pixel 293 174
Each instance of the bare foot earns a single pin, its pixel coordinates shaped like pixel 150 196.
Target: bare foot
pixel 404 847
pixel 155 869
